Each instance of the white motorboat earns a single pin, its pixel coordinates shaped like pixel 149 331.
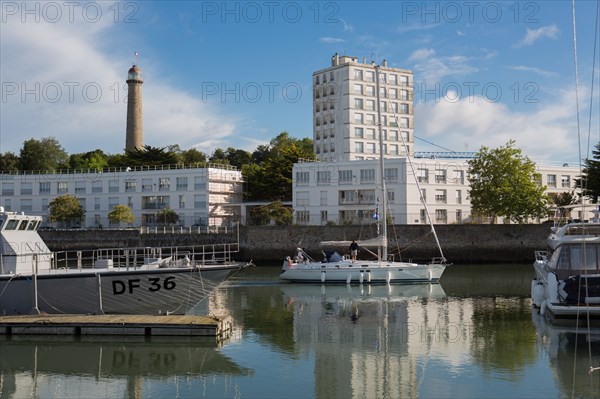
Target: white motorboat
pixel 567 282
pixel 335 268
pixel 114 281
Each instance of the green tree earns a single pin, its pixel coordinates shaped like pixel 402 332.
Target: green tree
pixel 275 211
pixel 45 155
pixel 504 183
pixel 9 162
pixel 167 216
pixel 121 214
pixel 193 157
pixel 149 156
pixel 271 179
pixel 219 157
pixel 65 209
pixel 590 180
pixel 95 160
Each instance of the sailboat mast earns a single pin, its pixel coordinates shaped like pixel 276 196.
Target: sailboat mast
pixel 383 217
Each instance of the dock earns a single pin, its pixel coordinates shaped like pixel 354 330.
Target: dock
pixel 123 325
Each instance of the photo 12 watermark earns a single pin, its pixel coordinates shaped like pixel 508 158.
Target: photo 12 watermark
pixel 68 11
pixel 252 12
pixel 434 12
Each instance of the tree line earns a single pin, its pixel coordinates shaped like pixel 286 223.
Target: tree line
pixel 267 171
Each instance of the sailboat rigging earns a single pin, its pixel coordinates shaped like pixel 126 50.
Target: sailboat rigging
pixel 339 269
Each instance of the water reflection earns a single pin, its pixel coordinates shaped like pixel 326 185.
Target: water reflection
pixel 470 336
pixel 96 367
pixel 571 353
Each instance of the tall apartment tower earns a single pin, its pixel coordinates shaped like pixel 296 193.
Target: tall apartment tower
pixel 135 129
pixel 345 113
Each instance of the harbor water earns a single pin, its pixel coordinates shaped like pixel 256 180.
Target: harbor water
pixel 474 335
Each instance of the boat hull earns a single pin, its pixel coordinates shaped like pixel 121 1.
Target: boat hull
pixel 378 273
pixel 110 291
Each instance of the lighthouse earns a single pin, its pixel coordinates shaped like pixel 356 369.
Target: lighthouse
pixel 135 128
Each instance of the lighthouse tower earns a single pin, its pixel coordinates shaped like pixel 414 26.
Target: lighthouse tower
pixel 135 129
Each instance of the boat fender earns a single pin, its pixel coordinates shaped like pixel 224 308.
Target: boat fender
pixel 388 278
pixel 322 277
pixel 543 308
pixel 429 275
pixel 348 279
pixel 361 278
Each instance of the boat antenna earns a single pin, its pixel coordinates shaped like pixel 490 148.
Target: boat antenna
pixel 381 171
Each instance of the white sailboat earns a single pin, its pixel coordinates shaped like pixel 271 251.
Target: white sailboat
pixel 339 269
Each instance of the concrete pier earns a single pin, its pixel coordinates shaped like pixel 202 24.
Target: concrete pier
pixel 130 325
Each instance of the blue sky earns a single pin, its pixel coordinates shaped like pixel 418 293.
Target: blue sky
pixel 221 74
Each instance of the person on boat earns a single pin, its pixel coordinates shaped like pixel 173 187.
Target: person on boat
pixel 353 250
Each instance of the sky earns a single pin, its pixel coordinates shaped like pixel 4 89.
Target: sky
pixel 221 74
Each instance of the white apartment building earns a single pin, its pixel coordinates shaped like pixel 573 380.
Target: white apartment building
pixel 345 112
pixel 203 196
pixel 347 192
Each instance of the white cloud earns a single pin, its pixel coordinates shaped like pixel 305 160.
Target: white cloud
pixel 57 81
pixel 346 26
pixel 538 71
pixel 432 68
pixel 547 132
pixel 331 40
pixel 533 35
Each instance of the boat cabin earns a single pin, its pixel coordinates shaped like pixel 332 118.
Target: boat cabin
pixel 22 250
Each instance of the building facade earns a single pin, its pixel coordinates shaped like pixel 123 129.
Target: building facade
pixel 200 196
pixel 348 192
pixel 345 113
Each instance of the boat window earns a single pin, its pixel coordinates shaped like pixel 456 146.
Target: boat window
pixel 584 257
pixel 32 225
pixel 11 224
pixel 574 258
pixel 1 223
pixel 23 225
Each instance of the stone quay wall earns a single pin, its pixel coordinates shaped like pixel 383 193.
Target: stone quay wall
pixel 469 243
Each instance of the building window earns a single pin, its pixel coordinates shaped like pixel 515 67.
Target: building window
pixel 130 202
pixel 369 76
pixel 440 176
pixel 459 176
pixel 367 175
pixel 391 196
pixel 130 186
pixel 424 195
pixel 423 216
pixel 323 198
pixel 146 184
pixel 181 201
pixel 404 108
pixel 359 147
pixel 112 202
pixel 393 93
pixel 393 79
pixel 181 183
pixel 393 149
pixel 423 175
pixel 347 197
pixel 370 90
pixel 324 218
pixel 404 80
pixel 323 177
pixel 26 188
pixel 370 119
pixel 370 148
pixel 441 216
pixel 404 122
pixel 458 215
pixel 552 181
pixel 44 187
pixel 440 196
pixel 358 74
pixel 565 181
pixel 302 178
pixel 303 217
pixel 358 89
pixel 370 105
pixel 345 176
pixel 97 186
pixel 26 205
pixel 97 203
pixel 199 183
pixel 358 103
pixel 164 184
pixel 8 189
pixel 391 175
pixel 404 95
pixel 358 117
